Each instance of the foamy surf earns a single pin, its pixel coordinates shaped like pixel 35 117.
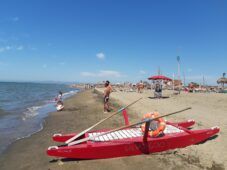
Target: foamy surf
pixel 31 112
pixel 26 107
pixel 34 110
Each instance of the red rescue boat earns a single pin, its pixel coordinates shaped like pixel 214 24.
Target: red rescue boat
pixel 130 141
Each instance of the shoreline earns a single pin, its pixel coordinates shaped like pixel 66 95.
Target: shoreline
pixel 41 118
pixel 82 110
pixel 28 159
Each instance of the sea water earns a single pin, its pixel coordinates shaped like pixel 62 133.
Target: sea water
pixel 23 107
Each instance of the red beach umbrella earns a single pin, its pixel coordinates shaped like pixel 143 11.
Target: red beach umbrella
pixel 159 77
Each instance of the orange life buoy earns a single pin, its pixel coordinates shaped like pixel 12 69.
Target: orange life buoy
pixel 160 121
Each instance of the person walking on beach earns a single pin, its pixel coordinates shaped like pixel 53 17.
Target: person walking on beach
pixel 140 86
pixel 106 96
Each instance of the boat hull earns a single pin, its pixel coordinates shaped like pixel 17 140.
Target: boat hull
pixel 132 146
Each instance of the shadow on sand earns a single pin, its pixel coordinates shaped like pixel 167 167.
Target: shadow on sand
pixel 72 109
pixel 211 138
pixel 66 160
pixel 163 97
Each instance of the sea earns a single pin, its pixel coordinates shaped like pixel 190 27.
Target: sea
pixel 23 107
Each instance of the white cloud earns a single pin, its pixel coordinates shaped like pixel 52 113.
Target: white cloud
pixel 15 19
pixel 88 74
pixel 44 65
pixel 62 63
pixel 9 48
pixel 142 72
pixel 9 19
pixel 2 49
pixel 100 56
pixel 21 47
pixel 33 48
pixel 103 74
pixel 189 70
pixel 6 48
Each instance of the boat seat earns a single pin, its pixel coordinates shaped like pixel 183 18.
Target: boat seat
pixel 129 133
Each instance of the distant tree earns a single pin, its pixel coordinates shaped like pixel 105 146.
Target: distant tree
pixel 224 74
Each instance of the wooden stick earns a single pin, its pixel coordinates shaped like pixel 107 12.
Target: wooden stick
pixel 123 127
pixel 88 129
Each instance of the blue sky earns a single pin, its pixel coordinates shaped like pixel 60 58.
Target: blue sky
pixel 119 40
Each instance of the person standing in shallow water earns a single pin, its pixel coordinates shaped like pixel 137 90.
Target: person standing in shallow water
pixel 59 102
pixel 60 96
pixel 106 96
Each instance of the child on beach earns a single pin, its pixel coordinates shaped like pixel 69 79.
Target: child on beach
pixel 106 96
pixel 58 99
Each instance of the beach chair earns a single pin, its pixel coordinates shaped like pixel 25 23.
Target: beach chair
pixel 158 94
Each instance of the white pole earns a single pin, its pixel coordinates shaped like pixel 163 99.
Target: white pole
pixel 178 62
pixel 173 82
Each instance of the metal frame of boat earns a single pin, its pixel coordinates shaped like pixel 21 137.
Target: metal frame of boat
pixel 58 137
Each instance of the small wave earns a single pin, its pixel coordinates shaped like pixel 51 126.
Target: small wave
pixel 28 107
pixel 31 112
pixel 34 110
pixel 65 95
pixel 30 134
pixel 70 92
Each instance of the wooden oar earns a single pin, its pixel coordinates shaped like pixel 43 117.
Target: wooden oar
pixel 123 127
pixel 88 129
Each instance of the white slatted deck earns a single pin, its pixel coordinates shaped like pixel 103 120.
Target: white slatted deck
pixel 129 133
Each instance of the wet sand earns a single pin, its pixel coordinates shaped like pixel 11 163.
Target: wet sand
pixel 86 108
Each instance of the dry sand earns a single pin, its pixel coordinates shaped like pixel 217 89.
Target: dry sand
pixel 208 110
pixel 86 108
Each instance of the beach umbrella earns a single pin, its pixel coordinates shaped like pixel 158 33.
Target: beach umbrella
pixel 159 77
pixel 222 80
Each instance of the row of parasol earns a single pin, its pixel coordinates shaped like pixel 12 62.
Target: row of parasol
pixel 159 77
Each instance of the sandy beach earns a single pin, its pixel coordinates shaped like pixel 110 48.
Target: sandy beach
pixel 86 108
pixel 67 66
pixel 208 110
